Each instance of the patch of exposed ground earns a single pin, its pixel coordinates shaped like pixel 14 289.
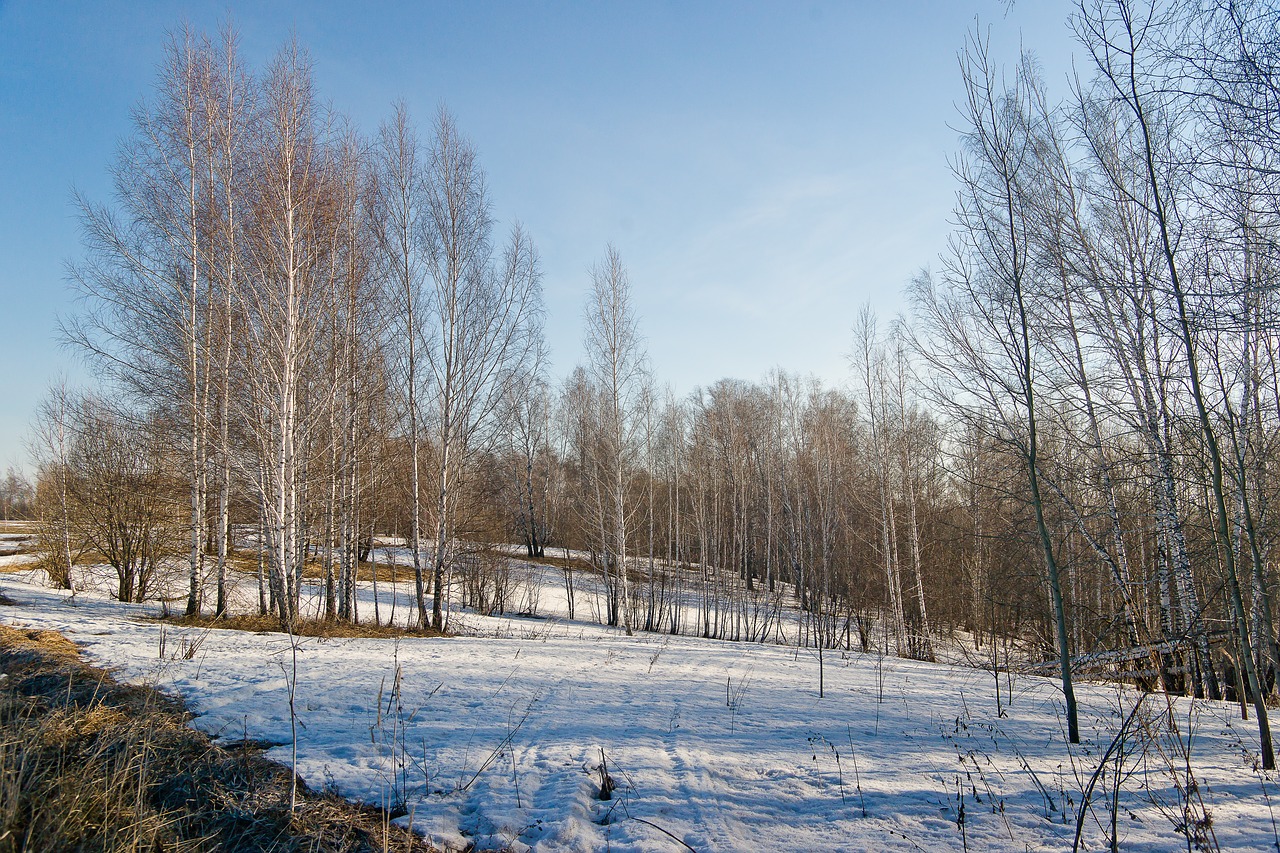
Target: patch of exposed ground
pixel 87 763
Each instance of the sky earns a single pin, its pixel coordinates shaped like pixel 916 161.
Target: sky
pixel 764 169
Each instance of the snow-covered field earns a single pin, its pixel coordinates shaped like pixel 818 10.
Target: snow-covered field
pixel 497 738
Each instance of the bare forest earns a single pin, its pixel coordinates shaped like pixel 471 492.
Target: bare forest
pixel 314 338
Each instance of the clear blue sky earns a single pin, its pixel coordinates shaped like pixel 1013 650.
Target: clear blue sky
pixel 763 168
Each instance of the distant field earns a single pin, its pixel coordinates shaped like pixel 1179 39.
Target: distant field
pixel 16 537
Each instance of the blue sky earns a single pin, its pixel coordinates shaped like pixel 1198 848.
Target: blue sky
pixel 763 168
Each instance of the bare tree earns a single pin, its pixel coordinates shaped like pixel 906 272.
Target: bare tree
pixel 108 491
pixel 283 298
pixel 401 222
pixel 617 365
pixel 50 445
pixel 482 311
pixel 526 417
pixel 17 496
pixel 1121 37
pixel 982 327
pixel 869 360
pixel 230 116
pixel 147 279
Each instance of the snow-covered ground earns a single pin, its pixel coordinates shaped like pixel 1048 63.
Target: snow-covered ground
pixel 497 738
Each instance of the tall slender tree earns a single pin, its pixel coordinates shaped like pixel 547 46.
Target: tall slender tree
pixel 617 365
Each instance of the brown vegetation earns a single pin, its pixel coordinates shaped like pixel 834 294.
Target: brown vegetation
pixel 327 628
pixel 87 763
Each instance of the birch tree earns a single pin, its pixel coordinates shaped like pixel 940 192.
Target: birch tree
pixel 1122 38
pixel 283 298
pixel 616 364
pixel 982 325
pixel 146 278
pixel 482 312
pixel 400 220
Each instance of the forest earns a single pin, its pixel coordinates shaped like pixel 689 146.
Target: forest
pixel 312 336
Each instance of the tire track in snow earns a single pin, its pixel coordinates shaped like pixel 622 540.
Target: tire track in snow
pixel 537 794
pixel 698 792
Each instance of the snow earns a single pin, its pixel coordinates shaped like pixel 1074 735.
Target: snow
pixel 496 738
pixel 17 562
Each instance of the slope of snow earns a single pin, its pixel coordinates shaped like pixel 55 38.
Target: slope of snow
pixel 497 739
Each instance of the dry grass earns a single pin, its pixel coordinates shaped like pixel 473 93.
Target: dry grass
pixel 89 764
pixel 15 539
pixel 246 562
pixel 575 563
pixel 325 628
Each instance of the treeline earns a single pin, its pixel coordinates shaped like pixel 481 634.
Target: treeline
pixel 17 496
pixel 1070 441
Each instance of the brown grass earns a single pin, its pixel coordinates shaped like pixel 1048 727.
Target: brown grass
pixel 89 764
pixel 246 562
pixel 15 526
pixel 576 563
pixel 325 628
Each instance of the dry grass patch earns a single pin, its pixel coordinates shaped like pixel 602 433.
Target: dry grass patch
pixel 87 763
pixel 19 542
pixel 324 628
pixel 246 563
pixel 575 563
pixel 12 526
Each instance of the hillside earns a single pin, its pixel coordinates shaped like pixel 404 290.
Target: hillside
pixel 496 737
